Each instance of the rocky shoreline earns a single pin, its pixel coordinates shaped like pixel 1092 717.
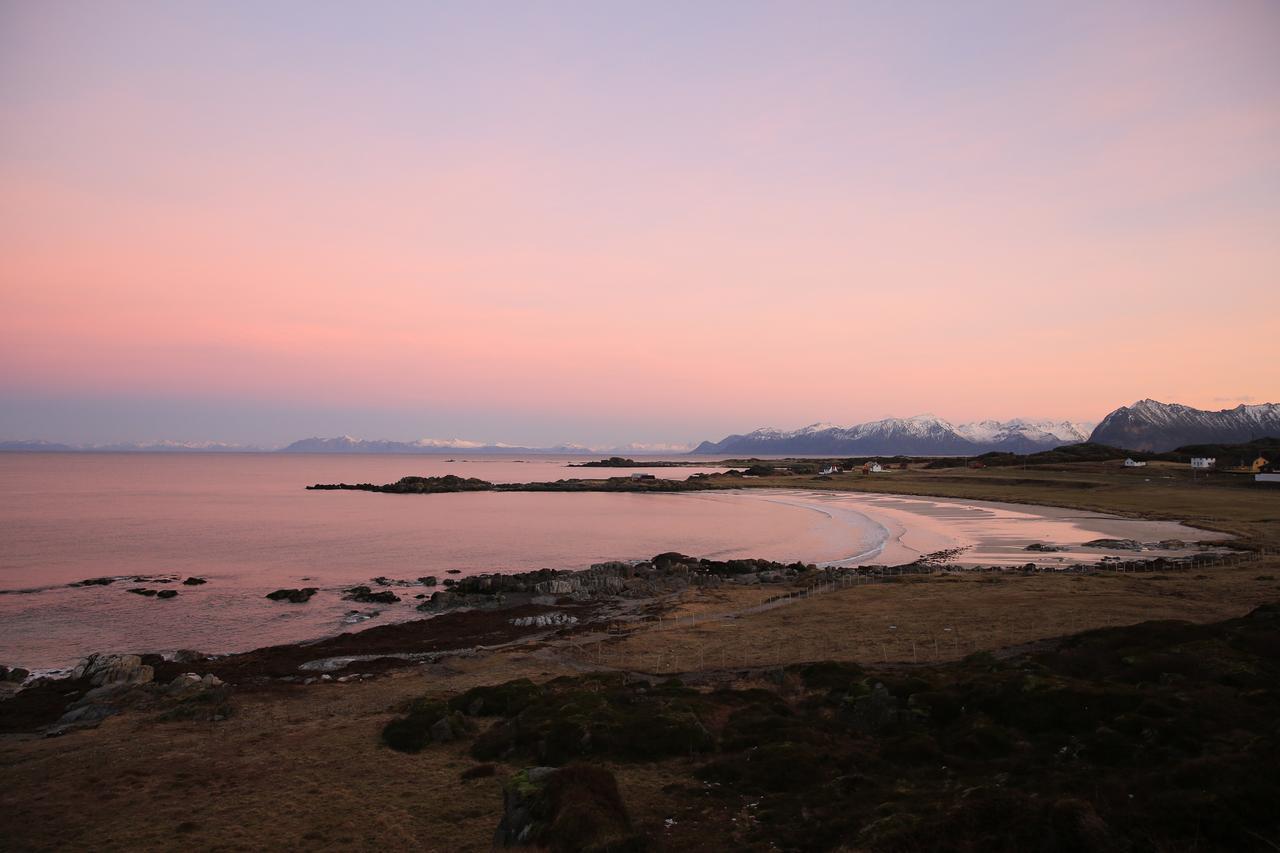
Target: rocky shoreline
pixel 481 611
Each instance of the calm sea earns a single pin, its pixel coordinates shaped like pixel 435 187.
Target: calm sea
pixel 246 523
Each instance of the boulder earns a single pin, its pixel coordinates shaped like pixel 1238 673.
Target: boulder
pixel 296 596
pixel 189 684
pixel 875 711
pixel 544 620
pixel 571 808
pixel 194 581
pixel 387 597
pixel 441 731
pixel 368 596
pixel 103 670
pixel 137 590
pixel 85 715
pixel 167 593
pixel 429 580
pixel 113 679
pixel 15 675
pixel 182 684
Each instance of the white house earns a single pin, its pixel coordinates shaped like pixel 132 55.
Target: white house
pixel 873 468
pixel 1129 463
pixel 1203 462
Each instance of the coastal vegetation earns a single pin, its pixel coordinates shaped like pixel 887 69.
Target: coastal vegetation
pixel 1115 739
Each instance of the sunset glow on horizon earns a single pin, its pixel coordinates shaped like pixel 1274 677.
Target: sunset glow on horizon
pixel 601 222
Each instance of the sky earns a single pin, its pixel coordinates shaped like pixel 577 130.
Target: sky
pixel 606 222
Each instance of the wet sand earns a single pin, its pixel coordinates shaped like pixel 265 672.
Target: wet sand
pixel 989 532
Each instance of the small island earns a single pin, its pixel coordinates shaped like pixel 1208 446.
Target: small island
pixel 451 483
pixel 626 462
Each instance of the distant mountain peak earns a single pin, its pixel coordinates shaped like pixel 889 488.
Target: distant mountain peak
pixel 924 434
pixel 1155 426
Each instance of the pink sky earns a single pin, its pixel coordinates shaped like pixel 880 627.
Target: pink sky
pixel 577 224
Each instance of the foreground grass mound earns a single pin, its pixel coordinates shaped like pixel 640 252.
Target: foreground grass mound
pixel 1163 736
pixel 605 716
pixel 425 723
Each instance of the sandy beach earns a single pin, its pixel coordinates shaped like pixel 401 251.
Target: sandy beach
pixel 988 532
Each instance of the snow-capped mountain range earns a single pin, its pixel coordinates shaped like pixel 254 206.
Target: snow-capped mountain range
pixel 1155 426
pixel 1147 425
pixel 340 444
pixel 922 434
pixel 348 444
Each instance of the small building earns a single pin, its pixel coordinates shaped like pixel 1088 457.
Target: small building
pixel 643 477
pixel 1203 463
pixel 1132 463
pixel 1258 464
pixel 873 468
pixel 830 469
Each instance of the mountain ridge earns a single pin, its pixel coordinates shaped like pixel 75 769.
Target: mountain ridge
pixel 1151 425
pixel 920 434
pixel 1147 425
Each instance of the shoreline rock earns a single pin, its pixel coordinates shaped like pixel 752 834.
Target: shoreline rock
pixel 294 596
pixel 366 595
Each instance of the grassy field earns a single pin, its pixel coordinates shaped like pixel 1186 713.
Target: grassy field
pixel 303 767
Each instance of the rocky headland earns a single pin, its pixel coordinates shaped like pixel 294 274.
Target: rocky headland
pixel 451 483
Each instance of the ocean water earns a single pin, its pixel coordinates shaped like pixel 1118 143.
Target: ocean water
pixel 246 523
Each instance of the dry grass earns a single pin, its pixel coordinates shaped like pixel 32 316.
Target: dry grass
pixel 924 618
pixel 295 768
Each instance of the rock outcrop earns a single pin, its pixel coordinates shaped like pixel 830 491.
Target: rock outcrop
pixel 105 670
pixel 568 808
pixel 368 596
pixel 296 596
pixel 545 620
